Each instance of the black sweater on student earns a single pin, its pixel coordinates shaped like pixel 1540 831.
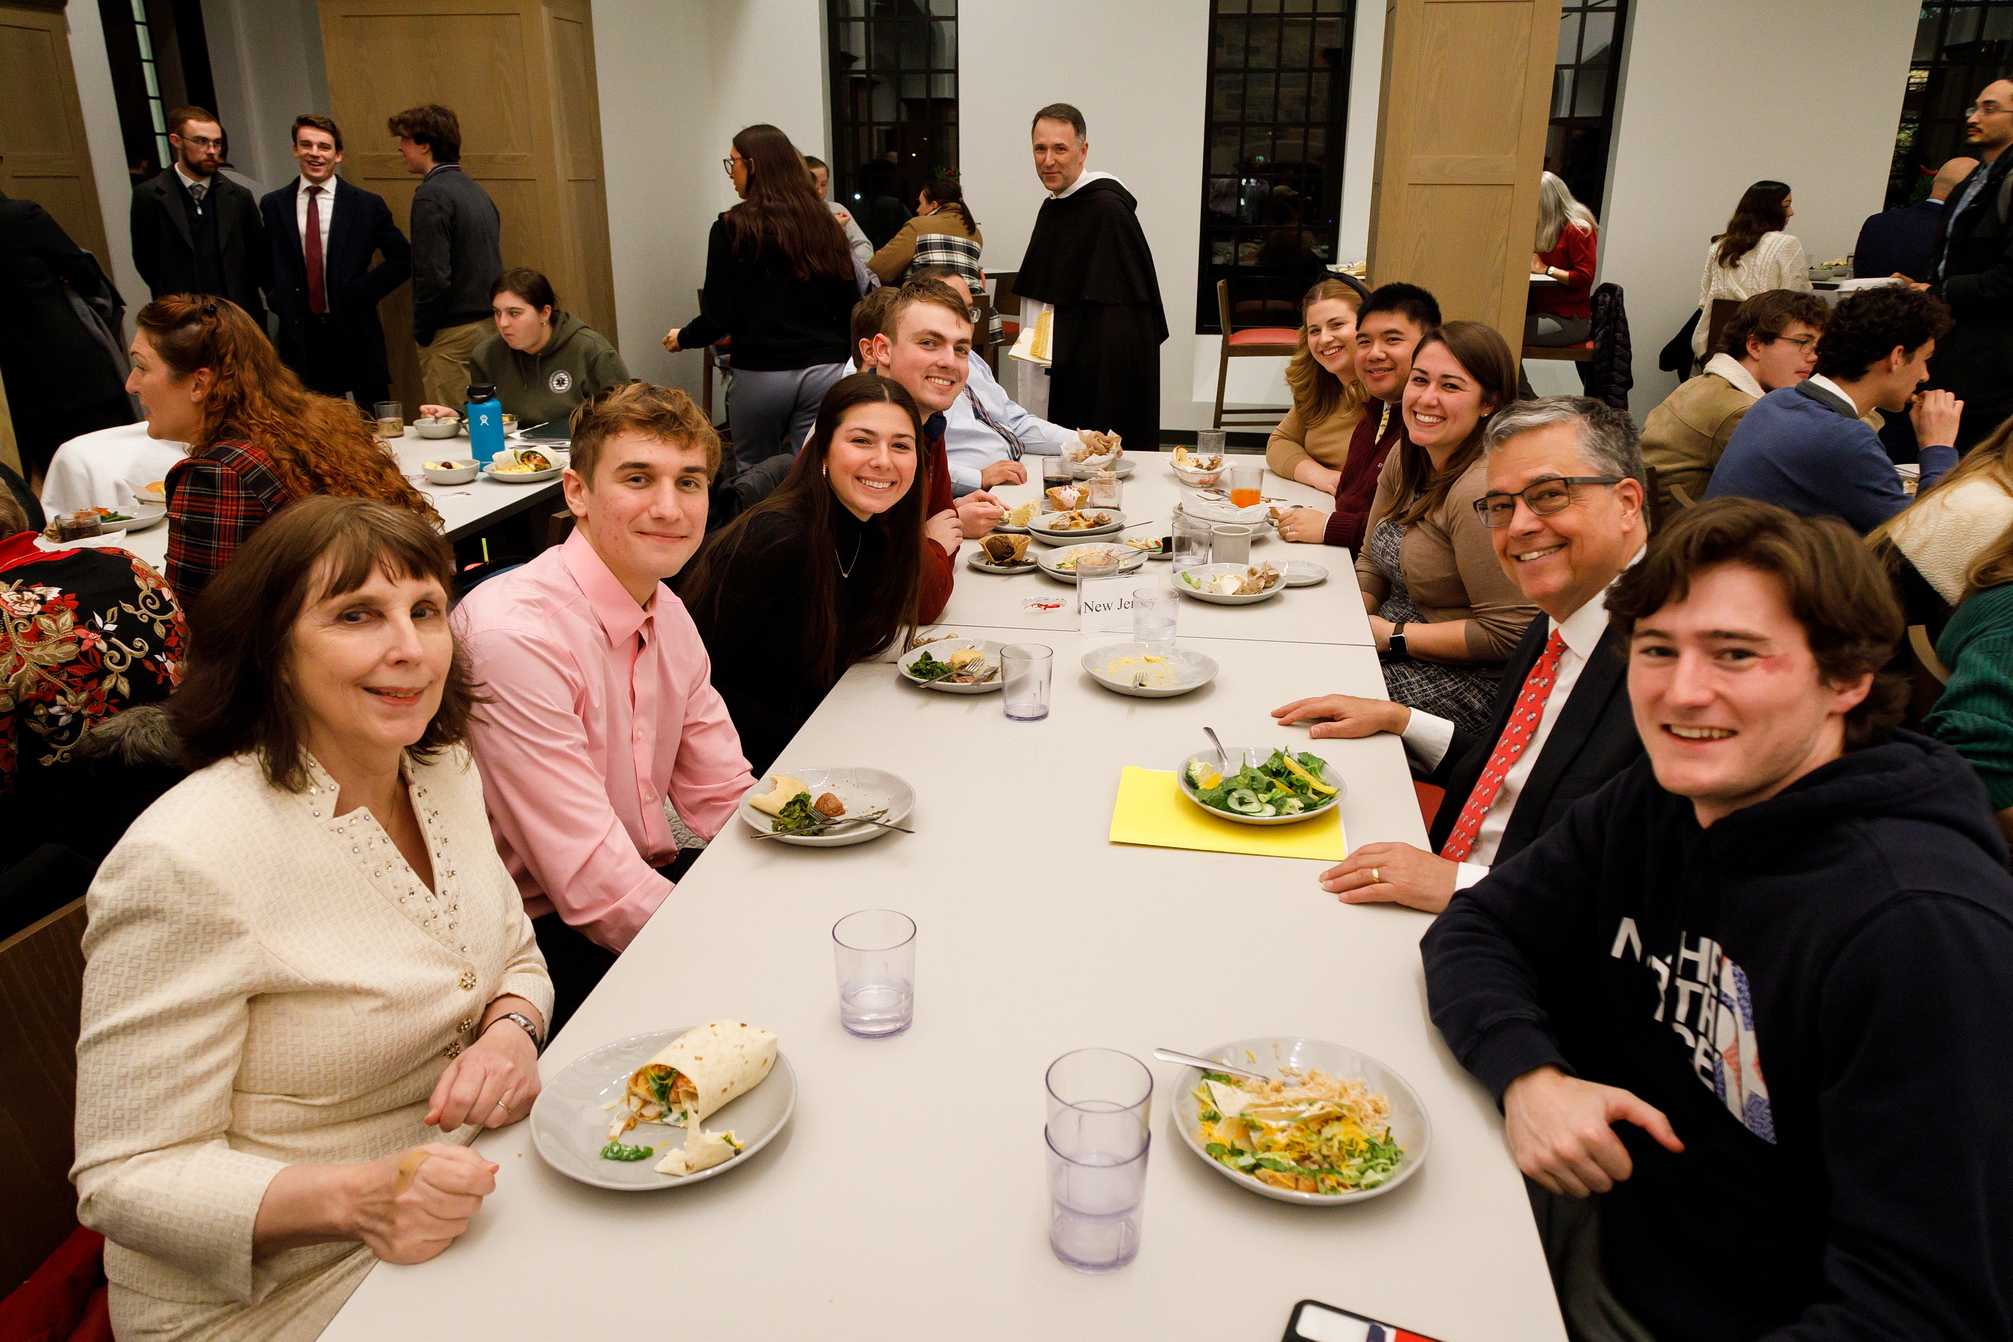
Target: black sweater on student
pixel 778 321
pixel 1818 991
pixel 754 625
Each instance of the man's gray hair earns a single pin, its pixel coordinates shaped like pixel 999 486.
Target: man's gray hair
pixel 1608 437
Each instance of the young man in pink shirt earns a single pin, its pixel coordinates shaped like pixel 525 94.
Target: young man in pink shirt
pixel 604 710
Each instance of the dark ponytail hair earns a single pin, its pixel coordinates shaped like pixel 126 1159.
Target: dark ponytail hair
pixel 947 193
pixel 782 210
pixel 830 643
pixel 1760 211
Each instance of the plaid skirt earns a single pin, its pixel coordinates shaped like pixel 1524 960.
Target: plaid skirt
pixel 1462 695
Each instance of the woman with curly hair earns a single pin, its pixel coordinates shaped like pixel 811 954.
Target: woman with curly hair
pixel 207 376
pixel 781 281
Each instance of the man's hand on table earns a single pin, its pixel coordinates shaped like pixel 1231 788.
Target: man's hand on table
pixel 1561 1131
pixel 1308 526
pixel 1393 873
pixel 978 512
pixel 1003 473
pixel 1344 716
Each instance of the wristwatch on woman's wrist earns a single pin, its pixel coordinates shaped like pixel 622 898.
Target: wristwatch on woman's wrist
pixel 1397 642
pixel 522 1021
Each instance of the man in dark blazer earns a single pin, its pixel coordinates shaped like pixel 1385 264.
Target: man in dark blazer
pixel 1902 241
pixel 325 291
pixel 1974 272
pixel 195 231
pixel 1565 510
pixel 61 369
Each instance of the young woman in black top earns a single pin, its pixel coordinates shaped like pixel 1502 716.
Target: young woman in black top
pixel 823 573
pixel 781 280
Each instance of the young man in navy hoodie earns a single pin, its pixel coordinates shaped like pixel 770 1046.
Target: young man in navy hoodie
pixel 1755 992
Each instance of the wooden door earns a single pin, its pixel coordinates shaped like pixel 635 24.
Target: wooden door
pixel 48 160
pixel 520 76
pixel 1460 147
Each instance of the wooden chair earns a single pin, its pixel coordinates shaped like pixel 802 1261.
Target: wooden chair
pixel 41 1004
pixel 707 363
pixel 1927 675
pixel 1722 312
pixel 1257 342
pixel 1581 353
pixel 982 343
pixel 1007 303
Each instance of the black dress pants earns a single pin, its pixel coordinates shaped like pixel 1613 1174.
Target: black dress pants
pixel 329 363
pixel 575 960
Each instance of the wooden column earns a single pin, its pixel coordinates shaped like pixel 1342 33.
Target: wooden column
pixel 48 159
pixel 520 75
pixel 1460 146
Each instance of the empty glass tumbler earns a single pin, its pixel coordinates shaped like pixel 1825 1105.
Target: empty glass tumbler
pixel 874 952
pixel 1026 669
pixel 1100 1102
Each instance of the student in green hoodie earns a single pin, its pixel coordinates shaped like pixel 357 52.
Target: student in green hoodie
pixel 542 361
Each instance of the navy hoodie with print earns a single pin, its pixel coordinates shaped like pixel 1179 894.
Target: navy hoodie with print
pixel 1817 991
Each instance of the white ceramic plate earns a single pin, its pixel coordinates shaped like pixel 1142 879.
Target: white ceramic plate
pixel 1132 561
pixel 1303 573
pixel 529 478
pixel 1121 466
pixel 941 650
pixel 1204 572
pixel 977 559
pixel 1256 755
pixel 1115 667
pixel 569 1126
pixel 861 789
pixel 1271 1054
pixel 1115 523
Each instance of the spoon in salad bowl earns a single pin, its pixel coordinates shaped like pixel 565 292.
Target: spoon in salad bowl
pixel 1207 1064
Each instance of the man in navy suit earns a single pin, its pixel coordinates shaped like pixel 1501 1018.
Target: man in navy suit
pixel 325 291
pixel 1903 241
pixel 1565 512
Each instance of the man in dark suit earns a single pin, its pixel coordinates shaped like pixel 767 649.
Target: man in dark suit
pixel 1974 272
pixel 63 377
pixel 1902 241
pixel 1565 510
pixel 195 231
pixel 323 233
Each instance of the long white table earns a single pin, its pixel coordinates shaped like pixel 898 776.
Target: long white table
pixel 907 1197
pixel 464 509
pixel 1330 613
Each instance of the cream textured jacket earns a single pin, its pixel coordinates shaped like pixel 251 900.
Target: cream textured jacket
pixel 269 984
pixel 1775 262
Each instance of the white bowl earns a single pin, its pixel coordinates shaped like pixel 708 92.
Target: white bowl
pixel 459 471
pixel 862 789
pixel 446 426
pixel 1040 529
pixel 941 650
pixel 1122 467
pixel 1195 479
pixel 1204 572
pixel 1185 670
pixel 1255 755
pixel 1270 1054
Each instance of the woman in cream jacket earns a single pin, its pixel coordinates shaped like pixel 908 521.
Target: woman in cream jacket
pixel 309 980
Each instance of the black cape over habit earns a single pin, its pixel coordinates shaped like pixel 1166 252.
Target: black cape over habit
pixel 1089 260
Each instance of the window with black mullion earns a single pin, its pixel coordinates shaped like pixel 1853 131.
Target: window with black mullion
pixel 894 103
pixel 1960 46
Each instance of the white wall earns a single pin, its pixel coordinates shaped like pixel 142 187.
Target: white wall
pixel 1722 93
pixel 266 58
pixel 108 151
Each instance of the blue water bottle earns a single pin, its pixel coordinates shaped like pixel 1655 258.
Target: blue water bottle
pixel 485 423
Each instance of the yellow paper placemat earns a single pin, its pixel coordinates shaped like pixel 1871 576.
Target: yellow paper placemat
pixel 1152 811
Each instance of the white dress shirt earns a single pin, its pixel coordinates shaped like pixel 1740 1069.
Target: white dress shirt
pixel 199 187
pixel 301 188
pixel 973 445
pixel 1427 737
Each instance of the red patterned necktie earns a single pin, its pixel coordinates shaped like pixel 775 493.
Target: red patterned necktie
pixel 311 245
pixel 1517 734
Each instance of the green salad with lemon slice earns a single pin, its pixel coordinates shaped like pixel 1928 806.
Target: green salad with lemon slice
pixel 1283 785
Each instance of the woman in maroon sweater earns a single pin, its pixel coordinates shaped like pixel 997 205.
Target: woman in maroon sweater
pixel 1559 313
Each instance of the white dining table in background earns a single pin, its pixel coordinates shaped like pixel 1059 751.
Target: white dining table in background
pixel 907 1197
pixel 93 469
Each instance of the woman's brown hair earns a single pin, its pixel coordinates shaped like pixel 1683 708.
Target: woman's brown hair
pixel 1480 351
pixel 1992 458
pixel 1318 393
pixel 236 694
pixel 807 498
pixel 318 445
pixel 1833 588
pixel 782 210
pixel 949 195
pixel 1760 212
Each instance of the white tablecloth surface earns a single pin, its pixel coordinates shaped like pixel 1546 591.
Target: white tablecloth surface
pixel 91 470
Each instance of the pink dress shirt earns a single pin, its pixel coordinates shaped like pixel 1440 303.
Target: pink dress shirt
pixel 603 709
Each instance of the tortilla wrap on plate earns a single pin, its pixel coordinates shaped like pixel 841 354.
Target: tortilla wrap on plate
pixel 696 1074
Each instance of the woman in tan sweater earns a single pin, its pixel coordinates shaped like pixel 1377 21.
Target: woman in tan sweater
pixel 1444 613
pixel 941 213
pixel 309 981
pixel 1312 442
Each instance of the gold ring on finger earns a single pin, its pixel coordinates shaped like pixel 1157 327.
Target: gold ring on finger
pixel 1376 877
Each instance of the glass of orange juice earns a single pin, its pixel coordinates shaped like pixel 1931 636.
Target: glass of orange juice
pixel 1244 480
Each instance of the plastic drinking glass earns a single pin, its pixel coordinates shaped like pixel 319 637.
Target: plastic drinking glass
pixel 1100 1104
pixel 1209 440
pixel 1054 471
pixel 1245 479
pixel 1103 563
pixel 874 952
pixel 1154 612
pixel 1026 669
pixel 390 419
pixel 1191 541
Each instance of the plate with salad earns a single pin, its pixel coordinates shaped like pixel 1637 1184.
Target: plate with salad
pixel 1330 1125
pixel 954 666
pixel 1259 788
pixel 826 805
